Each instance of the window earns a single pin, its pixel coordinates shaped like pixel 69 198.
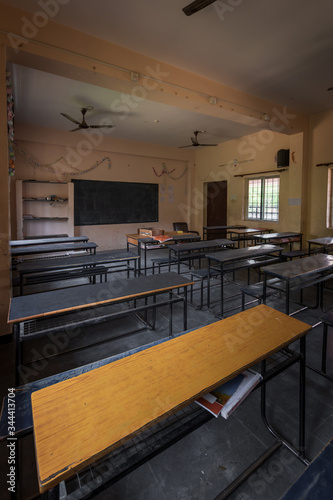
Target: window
pixel 263 198
pixel 329 221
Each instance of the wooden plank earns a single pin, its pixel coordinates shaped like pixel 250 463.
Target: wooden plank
pixel 52 247
pixel 77 260
pixel 301 267
pixel 43 304
pixel 79 420
pixel 244 253
pixel 45 241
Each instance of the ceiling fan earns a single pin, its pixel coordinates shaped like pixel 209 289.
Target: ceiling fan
pixel 197 5
pixel 83 124
pixel 195 141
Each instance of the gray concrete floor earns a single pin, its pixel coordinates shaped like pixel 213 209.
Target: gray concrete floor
pixel 202 464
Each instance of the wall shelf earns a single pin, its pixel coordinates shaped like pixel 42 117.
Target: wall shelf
pixel 38 214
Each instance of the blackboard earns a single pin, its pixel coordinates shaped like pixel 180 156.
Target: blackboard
pixel 102 202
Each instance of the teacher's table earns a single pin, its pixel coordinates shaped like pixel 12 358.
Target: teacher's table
pixel 53 248
pixel 80 420
pixel 47 269
pixel 61 310
pixel 45 241
pixel 299 274
pixel 244 234
pixel 145 243
pixel 240 258
pixel 196 250
pixel 325 243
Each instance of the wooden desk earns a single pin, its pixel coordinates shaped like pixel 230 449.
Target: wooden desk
pixel 53 248
pixel 240 258
pixel 29 313
pixel 196 249
pixel 299 273
pixel 325 243
pixel 279 238
pixel 245 233
pixel 74 262
pixel 45 241
pixel 145 243
pixel 109 405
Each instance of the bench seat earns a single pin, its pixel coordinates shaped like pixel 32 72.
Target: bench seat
pixel 201 275
pixel 275 285
pixel 294 254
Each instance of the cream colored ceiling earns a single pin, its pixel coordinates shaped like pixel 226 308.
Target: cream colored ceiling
pixel 280 51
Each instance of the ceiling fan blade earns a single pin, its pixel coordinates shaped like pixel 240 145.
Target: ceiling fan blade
pixel 101 126
pixel 197 5
pixel 70 118
pixel 188 146
pixel 75 129
pixel 207 144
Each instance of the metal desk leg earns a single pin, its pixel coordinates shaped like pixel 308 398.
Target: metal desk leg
pixel 264 288
pixel 324 349
pixel 185 308
pixel 145 252
pixel 18 353
pixel 21 283
pixel 208 285
pixel 287 296
pixel 170 314
pixel 222 294
pixel 302 365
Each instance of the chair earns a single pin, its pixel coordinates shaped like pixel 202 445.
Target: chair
pixel 182 226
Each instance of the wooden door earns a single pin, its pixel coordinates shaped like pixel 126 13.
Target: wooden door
pixel 216 193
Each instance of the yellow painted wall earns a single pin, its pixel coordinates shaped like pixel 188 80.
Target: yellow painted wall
pixel 260 149
pixel 130 162
pixel 321 151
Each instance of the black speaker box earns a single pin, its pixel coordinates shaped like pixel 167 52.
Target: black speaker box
pixel 283 158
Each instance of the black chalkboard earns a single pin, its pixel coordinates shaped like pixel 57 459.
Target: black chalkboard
pixel 102 202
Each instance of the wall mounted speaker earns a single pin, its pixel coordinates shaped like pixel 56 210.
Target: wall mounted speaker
pixel 283 158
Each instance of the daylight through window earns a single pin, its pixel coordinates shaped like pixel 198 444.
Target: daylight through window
pixel 263 198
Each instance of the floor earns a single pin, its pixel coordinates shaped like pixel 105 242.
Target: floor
pixel 202 464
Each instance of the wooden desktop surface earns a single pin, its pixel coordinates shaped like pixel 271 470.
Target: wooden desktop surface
pixel 300 267
pixel 321 241
pixel 273 236
pixel 45 241
pixel 80 420
pixel 53 247
pixel 76 261
pixel 174 235
pixel 243 253
pixel 38 305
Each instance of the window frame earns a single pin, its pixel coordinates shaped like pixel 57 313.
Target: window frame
pixel 263 179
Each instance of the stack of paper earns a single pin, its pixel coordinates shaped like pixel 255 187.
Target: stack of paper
pixel 224 399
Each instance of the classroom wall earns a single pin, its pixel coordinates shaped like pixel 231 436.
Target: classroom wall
pixel 5 275
pixel 255 153
pixel 111 160
pixel 321 151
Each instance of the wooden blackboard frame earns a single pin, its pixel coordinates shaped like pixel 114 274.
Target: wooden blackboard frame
pixel 109 202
